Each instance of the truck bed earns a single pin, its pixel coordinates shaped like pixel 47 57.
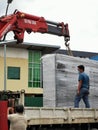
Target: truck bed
pixel 50 116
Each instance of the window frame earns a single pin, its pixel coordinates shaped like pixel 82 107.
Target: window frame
pixel 34 69
pixel 13 73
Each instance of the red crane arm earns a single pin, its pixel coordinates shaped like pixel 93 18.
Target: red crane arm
pixel 19 22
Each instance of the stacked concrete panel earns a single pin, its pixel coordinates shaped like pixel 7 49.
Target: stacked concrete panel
pixel 49 77
pixel 60 79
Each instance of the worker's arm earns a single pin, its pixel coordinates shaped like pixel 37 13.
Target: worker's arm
pixel 79 86
pixel 9 116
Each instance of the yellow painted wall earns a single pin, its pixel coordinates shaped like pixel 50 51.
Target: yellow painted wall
pixel 15 85
pixel 23 82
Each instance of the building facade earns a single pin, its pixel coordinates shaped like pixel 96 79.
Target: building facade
pixel 23 70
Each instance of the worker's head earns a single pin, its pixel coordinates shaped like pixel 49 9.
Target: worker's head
pixel 19 108
pixel 81 68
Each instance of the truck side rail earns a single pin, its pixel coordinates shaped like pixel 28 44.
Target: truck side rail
pixel 50 116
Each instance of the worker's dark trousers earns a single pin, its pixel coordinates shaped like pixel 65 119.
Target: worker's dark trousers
pixel 83 95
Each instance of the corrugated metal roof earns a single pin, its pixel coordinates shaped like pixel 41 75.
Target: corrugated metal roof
pixel 78 53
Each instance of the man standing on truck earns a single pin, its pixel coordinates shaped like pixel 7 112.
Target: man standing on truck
pixel 83 88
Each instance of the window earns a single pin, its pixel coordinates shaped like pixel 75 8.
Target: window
pixel 13 72
pixel 34 77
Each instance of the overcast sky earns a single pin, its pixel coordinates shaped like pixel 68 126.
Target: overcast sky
pixel 81 15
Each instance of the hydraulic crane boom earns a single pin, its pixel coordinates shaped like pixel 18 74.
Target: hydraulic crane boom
pixel 19 22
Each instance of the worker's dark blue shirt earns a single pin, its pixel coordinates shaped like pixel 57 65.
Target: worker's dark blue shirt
pixel 85 80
